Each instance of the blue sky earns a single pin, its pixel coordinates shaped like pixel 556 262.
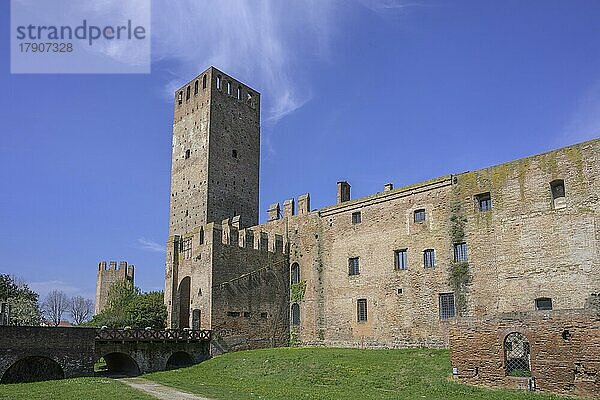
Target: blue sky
pixel 365 91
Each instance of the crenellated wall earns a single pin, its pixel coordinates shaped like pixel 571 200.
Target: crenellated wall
pixel 109 274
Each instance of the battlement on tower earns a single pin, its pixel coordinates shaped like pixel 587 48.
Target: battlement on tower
pixel 108 274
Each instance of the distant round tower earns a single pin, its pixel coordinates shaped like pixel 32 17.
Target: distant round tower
pixel 107 276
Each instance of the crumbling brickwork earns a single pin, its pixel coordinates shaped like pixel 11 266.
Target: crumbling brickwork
pixel 564 351
pixel 388 270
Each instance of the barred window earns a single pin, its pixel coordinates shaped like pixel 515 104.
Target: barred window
pixel 517 355
pixel 543 303
pixel 361 310
pixel 460 252
pixel 446 306
pixel 400 259
pixel 295 314
pixel 353 266
pixel 484 201
pixel 429 258
pixel 420 215
pixel 356 217
pixel 186 248
pixel 295 273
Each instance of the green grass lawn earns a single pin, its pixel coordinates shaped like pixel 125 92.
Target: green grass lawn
pixel 72 389
pixel 321 373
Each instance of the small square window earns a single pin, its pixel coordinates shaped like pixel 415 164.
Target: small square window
pixel 447 306
pixel 429 258
pixel 399 291
pixel 484 201
pixel 353 268
pixel 400 259
pixel 543 303
pixel 420 215
pixel 460 252
pixel 356 218
pixel 234 153
pixel 557 189
pixel 361 310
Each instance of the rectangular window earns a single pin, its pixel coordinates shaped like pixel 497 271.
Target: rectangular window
pixel 400 259
pixel 420 215
pixel 446 306
pixel 186 248
pixel 543 303
pixel 353 266
pixel 356 218
pixel 361 310
pixel 460 252
pixel 429 258
pixel 484 201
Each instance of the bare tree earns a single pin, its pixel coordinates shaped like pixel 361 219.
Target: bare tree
pixel 54 306
pixel 81 309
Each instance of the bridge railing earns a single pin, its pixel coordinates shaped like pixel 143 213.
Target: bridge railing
pixel 150 335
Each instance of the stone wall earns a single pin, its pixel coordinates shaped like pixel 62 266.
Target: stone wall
pixel 71 348
pixel 107 276
pixel 564 350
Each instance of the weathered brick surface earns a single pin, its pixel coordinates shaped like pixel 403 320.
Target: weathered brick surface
pixel 565 350
pixel 522 249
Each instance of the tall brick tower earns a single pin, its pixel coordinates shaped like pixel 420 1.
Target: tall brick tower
pixel 216 146
pixel 214 176
pixel 107 276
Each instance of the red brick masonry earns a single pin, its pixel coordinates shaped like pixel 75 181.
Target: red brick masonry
pixel 565 350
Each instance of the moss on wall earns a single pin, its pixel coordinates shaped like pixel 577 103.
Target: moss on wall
pixel 297 291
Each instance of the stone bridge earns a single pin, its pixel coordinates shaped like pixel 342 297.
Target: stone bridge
pixel 31 353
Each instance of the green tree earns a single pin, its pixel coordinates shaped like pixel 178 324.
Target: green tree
pixel 23 301
pixel 127 306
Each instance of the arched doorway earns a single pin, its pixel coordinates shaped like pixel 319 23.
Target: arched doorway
pixel 179 359
pixel 517 358
pixel 118 364
pixel 183 295
pixel 33 369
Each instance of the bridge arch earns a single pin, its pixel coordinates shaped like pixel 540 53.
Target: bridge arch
pixel 120 364
pixel 33 369
pixel 179 359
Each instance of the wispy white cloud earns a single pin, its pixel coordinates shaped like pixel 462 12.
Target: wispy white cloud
pixel 149 245
pixel 584 123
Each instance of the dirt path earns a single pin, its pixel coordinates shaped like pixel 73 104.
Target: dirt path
pixel 159 391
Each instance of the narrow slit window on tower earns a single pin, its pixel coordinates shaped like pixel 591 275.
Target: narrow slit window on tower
pixel 195 87
pixel 420 215
pixel 201 236
pixel 187 154
pixel 187 94
pixel 229 88
pixel 361 310
pixel 447 306
pixel 429 258
pixel 356 218
pixel 204 82
pixel 219 82
pixel 484 201
pixel 401 259
pixel 234 153
pixel 239 93
pixel 180 98
pixel 557 188
pixel 353 268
